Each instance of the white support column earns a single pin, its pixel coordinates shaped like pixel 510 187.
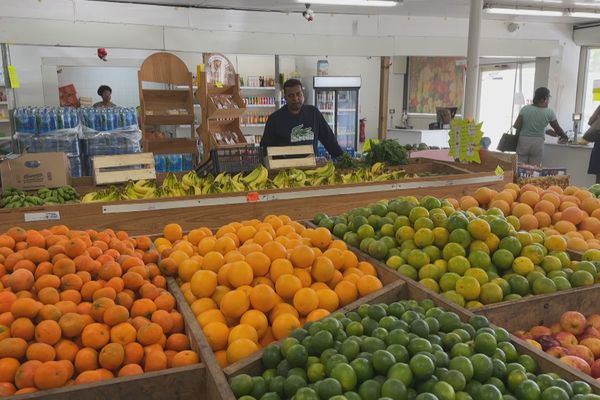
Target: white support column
pixel 472 78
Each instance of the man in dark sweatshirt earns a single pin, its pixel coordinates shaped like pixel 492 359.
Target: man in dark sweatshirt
pixel 297 123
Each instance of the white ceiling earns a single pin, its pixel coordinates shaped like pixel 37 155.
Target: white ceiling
pixel 439 8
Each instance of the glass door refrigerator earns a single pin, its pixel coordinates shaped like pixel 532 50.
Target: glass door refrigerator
pixel 337 99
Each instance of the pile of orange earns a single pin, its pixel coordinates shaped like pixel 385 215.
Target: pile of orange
pixel 83 306
pixel 253 282
pixel 572 212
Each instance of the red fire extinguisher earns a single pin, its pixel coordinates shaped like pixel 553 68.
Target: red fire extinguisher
pixel 361 130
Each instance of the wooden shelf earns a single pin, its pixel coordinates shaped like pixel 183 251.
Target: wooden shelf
pixel 257 87
pixel 5 120
pixel 253 125
pixel 169 119
pixel 260 105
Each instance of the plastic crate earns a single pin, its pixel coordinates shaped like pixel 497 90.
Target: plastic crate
pixel 232 160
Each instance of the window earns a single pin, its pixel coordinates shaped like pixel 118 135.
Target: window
pixel 592 74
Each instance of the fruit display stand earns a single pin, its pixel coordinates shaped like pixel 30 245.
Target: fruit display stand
pixel 148 216
pixel 401 290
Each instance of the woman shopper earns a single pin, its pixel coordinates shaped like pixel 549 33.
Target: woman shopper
pixel 531 127
pixel 593 135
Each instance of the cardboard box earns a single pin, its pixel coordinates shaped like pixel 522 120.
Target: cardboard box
pixel 35 170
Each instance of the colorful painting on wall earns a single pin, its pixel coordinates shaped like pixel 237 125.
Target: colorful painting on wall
pixel 435 82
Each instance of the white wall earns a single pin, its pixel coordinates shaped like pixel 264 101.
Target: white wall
pixel 93 24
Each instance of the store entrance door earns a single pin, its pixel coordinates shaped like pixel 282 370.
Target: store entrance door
pixel 504 89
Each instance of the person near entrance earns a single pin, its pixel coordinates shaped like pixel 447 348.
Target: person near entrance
pixel 297 123
pixel 531 127
pixel 105 92
pixel 594 133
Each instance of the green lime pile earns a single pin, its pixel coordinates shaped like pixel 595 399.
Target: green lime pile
pixel 473 259
pixel 402 351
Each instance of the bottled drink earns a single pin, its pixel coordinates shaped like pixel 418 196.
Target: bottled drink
pixel 53 120
pixel 109 119
pixel 44 117
pixel 122 118
pixel 131 116
pixel 74 118
pixel 60 123
pixel 67 115
pixel 103 120
pixel 34 122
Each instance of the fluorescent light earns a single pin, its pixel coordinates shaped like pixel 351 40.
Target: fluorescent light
pixel 578 14
pixel 524 11
pixel 372 3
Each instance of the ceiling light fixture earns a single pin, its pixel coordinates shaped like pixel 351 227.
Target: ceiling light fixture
pixel 523 11
pixel 362 3
pixel 579 14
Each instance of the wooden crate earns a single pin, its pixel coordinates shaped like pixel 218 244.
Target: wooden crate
pixel 305 159
pixel 182 383
pixel 119 168
pixel 408 290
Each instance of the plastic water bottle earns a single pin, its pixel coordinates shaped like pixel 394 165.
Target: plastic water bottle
pixel 103 120
pixel 110 120
pixel 67 114
pixel 53 120
pixel 61 119
pixel 33 120
pixel 131 116
pixel 44 121
pixel 74 117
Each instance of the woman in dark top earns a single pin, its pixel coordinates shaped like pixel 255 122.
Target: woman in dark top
pixel 594 167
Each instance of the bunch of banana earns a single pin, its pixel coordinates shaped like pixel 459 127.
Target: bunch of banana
pixel 257 179
pixel 14 198
pixel 104 195
pixel 289 178
pixel 191 179
pixel 145 189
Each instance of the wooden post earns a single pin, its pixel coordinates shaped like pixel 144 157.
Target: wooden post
pixel 384 89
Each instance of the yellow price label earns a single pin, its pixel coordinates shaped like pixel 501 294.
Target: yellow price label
pixel 499 171
pixel 219 85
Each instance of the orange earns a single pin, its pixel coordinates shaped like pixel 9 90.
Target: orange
pixel 201 305
pixel 48 331
pixel 576 244
pixel 368 284
pixel 239 349
pixel 234 304
pixel 172 232
pixel 225 244
pixel 219 293
pixel 528 222
pixel 467 202
pixel 521 209
pixel 565 226
pixel 591 224
pixel 367 268
pixel 544 220
pixel 322 269
pixel 573 215
pixel 283 308
pixel 502 205
pixel 239 274
pixel 302 256
pixel 203 283
pixel 328 299
pixel 306 300
pixel 155 361
pixel 185 357
pixel 530 198
pixel 483 195
pixel 321 238
pixel 149 334
pixel 22 328
pixel 259 262
pixel 274 250
pixel 8 369
pixel 280 267
pixel 257 320
pixel 346 291
pixel 262 298
pixel 246 233
pixel 50 375
pixel 212 261
pixel 95 335
pixel 287 285
pixel 41 351
pixel 317 314
pixel 123 333
pixel 111 356
pixel 350 259
pixel 304 276
pixel 284 324
pixel 336 256
pixel 243 331
pixel 216 334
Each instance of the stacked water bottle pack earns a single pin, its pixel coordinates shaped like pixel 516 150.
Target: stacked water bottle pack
pixel 50 129
pixel 81 134
pixel 108 131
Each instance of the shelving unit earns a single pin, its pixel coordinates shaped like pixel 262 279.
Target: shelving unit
pixel 171 105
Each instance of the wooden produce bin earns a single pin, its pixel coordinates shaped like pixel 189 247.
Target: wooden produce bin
pixel 401 290
pixel 545 310
pixel 189 382
pixel 149 216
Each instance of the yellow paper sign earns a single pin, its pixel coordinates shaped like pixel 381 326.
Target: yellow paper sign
pixel 219 85
pixel 499 171
pixel 464 140
pixel 596 90
pixel 13 77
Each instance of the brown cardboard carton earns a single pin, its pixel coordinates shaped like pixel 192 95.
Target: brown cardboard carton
pixel 35 170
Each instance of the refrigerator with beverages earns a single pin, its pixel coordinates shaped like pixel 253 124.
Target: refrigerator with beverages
pixel 337 99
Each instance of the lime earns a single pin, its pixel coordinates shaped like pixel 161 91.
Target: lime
pixel 473 387
pixel 333 361
pixel 418 212
pixel 458 265
pixel 397 336
pixel 418 345
pixel 444 391
pixel 519 285
pixel 344 374
pixel 482 367
pixel 354 328
pixel 488 392
pixel 382 361
pixel 515 378
pixel 423 222
pixel 241 385
pixel 461 349
pixel 460 236
pixel 394 262
pixel 455 379
pixel 491 293
pixel 429 271
pixel 544 285
pixel 534 253
pixel 564 385
pixel 402 372
pixel 499 368
pixel 423 237
pixel 511 244
pixel 420 327
pixel 418 258
pixel 554 393
pixel 448 281
pixel 394 389
pixel 452 250
pixel 499 227
pixel 581 278
pixel 368 390
pixel 298 371
pixel 328 388
pixel 321 341
pixel 528 390
pixel 271 356
pixel 374 221
pixel 292 384
pixel 269 374
pixel 371 344
pixel 306 393
pixel 350 349
pixel 502 259
pixel 408 271
pixel 283 368
pixel 351 396
pixel 421 366
pixel 463 396
pixel 468 287
pixel 297 355
pixel 580 387
pixel 315 372
pixel 479 259
pixel 454 297
pixel 528 362
pixel 449 321
pixel 463 365
pixel 365 231
pixel 457 221
pixel 363 369
pixel 276 385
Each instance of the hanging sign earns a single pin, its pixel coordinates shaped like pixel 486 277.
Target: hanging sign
pixel 596 90
pixel 13 77
pixel 464 140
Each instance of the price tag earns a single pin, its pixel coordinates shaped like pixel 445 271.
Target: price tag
pixel 252 197
pixel 499 171
pixel 219 85
pixel 42 216
pixel 13 77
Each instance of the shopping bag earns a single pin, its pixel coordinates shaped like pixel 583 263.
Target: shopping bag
pixel 508 142
pixel 593 133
